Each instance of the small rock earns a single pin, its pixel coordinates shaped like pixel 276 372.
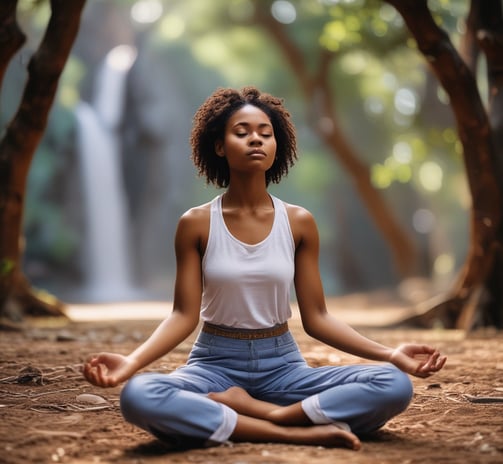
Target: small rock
pixel 91 399
pixel 486 448
pixel 65 336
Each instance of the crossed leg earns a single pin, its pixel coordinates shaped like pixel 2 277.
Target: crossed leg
pixel 262 421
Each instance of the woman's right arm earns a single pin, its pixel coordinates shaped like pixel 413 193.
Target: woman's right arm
pixel 110 369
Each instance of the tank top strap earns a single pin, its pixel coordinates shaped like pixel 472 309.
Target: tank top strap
pixel 282 228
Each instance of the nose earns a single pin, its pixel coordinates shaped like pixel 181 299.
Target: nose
pixel 255 139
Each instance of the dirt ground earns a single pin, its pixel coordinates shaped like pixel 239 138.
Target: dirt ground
pixel 49 414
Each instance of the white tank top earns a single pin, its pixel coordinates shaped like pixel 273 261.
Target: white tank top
pixel 247 286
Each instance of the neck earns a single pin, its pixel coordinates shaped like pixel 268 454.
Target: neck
pixel 247 195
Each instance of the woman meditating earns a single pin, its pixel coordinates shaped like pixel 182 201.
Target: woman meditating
pixel 238 257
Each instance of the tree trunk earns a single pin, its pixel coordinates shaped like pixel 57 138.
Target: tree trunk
pixel 21 139
pixel 490 39
pixel 479 151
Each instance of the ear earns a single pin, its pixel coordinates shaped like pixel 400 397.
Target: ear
pixel 219 148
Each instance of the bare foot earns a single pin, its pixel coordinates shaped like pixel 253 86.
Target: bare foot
pixel 236 398
pixel 260 431
pixel 243 403
pixel 330 436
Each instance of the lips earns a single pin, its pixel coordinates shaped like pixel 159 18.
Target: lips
pixel 257 152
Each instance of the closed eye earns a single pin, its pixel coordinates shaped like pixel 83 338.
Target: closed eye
pixel 244 134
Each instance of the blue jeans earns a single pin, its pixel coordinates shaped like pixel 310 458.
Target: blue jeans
pixel 174 407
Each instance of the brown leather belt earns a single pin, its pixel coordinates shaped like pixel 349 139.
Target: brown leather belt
pixel 245 334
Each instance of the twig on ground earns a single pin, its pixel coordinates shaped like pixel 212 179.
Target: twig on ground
pixel 484 399
pixel 69 407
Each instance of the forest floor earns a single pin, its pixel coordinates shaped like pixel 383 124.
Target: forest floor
pixel 49 414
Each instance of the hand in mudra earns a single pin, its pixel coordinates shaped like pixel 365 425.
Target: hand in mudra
pixel 419 360
pixel 108 369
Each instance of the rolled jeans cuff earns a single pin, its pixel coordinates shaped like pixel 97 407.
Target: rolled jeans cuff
pixel 229 421
pixel 312 409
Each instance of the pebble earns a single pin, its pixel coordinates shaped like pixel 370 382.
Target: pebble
pixel 91 399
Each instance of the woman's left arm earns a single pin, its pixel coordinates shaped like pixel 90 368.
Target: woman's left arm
pixel 416 359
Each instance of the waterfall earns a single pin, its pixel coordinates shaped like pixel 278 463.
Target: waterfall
pixel 108 264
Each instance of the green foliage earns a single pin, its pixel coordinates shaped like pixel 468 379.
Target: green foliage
pixel 68 94
pixel 313 173
pixel 6 267
pixel 378 79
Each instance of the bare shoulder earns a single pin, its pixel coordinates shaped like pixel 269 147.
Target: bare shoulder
pixel 193 225
pixel 195 217
pixel 197 213
pixel 299 216
pixel 302 222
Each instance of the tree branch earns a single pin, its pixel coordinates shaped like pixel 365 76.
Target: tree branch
pixel 44 70
pixel 317 90
pixel 11 36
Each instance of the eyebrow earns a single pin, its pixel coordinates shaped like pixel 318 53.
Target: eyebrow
pixel 265 124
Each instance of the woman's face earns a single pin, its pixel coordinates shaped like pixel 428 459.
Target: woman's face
pixel 249 143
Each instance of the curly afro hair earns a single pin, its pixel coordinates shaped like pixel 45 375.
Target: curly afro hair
pixel 209 127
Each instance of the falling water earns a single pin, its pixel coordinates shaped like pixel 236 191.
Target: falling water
pixel 108 266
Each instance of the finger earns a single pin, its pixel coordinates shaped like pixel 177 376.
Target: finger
pixel 430 363
pixel 423 366
pixel 422 375
pixel 101 374
pixel 439 364
pixel 91 358
pixel 436 363
pixel 427 351
pixel 434 358
pixel 86 371
pixel 106 380
pixel 90 375
pixel 94 373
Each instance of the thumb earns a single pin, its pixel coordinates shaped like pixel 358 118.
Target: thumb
pixel 96 359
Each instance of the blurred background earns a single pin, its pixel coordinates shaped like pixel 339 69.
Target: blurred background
pixel 113 173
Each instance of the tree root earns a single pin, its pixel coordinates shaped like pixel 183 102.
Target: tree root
pixel 25 300
pixel 457 311
pixel 439 311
